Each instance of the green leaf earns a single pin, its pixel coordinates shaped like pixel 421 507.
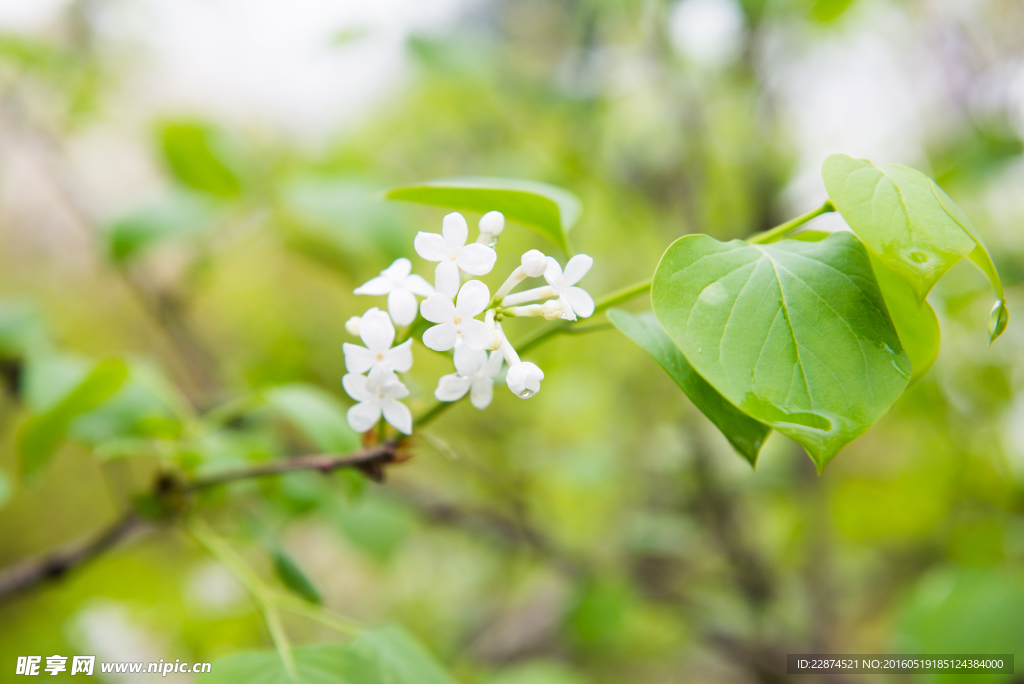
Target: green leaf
pixel 291 576
pixel 375 523
pixel 910 223
pixel 176 215
pixel 916 326
pixel 795 334
pixel 829 10
pixel 21 329
pixel 744 433
pixel 42 432
pixel 389 655
pixel 547 209
pixel 196 156
pixel 314 665
pixel 318 415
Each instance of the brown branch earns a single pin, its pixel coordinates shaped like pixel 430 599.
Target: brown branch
pixel 29 573
pixel 370 461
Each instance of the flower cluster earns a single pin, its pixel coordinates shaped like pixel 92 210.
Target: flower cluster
pixel 466 318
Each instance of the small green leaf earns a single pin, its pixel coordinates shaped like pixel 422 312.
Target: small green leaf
pixel 910 223
pixel 318 415
pixel 291 576
pixel 547 209
pixel 196 156
pixel 374 523
pixel 390 655
pixel 42 432
pixel 313 664
pixel 176 215
pixel 795 334
pixel 744 433
pixel 21 329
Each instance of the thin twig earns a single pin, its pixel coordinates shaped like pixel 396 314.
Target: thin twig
pixel 56 564
pixel 370 460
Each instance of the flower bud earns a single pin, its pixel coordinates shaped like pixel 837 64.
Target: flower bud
pixel 352 326
pixel 552 309
pixel 497 339
pixel 492 223
pixel 534 263
pixel 524 379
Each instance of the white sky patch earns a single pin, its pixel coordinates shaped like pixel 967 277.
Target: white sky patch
pixel 709 32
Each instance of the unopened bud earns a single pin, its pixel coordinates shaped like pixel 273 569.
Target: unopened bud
pixel 492 223
pixel 352 326
pixel 552 309
pixel 534 263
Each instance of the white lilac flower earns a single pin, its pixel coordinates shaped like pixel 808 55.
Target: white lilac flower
pixel 574 300
pixel 524 379
pixel 377 394
pixel 377 333
pixel 352 326
pixel 452 253
pixel 401 286
pixel 474 373
pixel 457 320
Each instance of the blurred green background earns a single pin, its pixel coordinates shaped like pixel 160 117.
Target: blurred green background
pixel 193 187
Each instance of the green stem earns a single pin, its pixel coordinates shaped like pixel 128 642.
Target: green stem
pixel 260 593
pixel 324 617
pixel 789 226
pixel 431 413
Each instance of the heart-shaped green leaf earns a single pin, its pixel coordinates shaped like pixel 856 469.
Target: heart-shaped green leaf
pixel 916 326
pixel 547 209
pixel 795 334
pixel 910 223
pixel 744 433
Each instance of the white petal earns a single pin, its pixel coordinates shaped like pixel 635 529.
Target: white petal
pixel 398 414
pixel 355 386
pixel 358 359
pixel 378 378
pixel 493 366
pixel 363 416
pixel 582 303
pixel 473 298
pixel 431 246
pixel 468 360
pixel 375 286
pixel 451 387
pixel 376 330
pixel 524 379
pixel 394 389
pixel 553 274
pixel 438 308
pixel 402 306
pixel 455 230
pixel 442 337
pixel 476 259
pixel 567 311
pixel 576 269
pixel 400 357
pixel 482 392
pixel 475 333
pixel 418 285
pixel 446 278
pixel 398 270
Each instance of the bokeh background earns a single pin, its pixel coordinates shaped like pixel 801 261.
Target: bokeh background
pixel 192 185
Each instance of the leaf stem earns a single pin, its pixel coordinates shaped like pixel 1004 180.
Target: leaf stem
pixel 789 226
